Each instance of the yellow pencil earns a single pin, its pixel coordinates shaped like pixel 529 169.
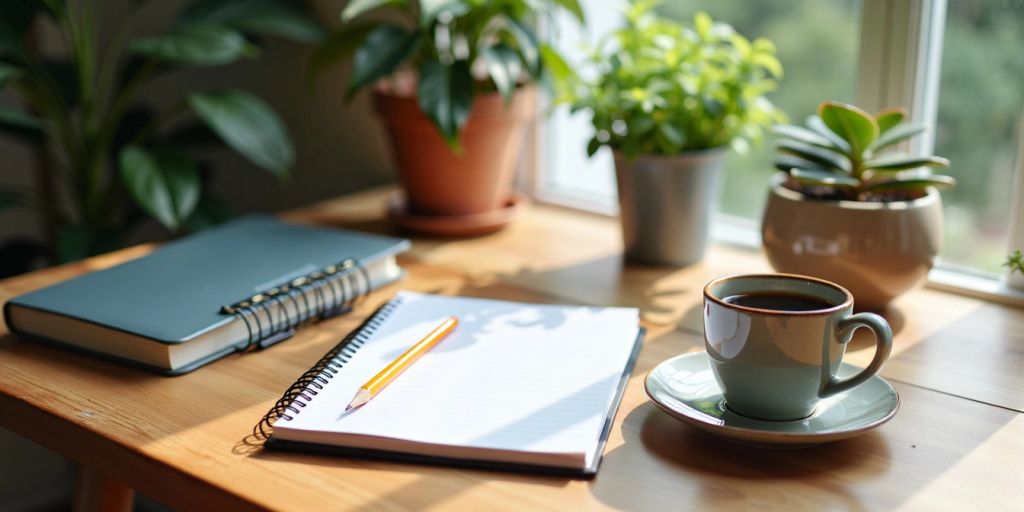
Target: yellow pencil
pixel 399 365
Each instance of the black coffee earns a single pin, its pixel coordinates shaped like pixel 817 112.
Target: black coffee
pixel 778 301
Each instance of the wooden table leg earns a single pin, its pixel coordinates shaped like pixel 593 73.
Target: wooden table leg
pixel 95 492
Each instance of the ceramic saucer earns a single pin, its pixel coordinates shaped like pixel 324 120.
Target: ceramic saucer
pixel 686 389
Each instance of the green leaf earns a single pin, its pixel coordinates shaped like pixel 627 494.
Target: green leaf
pixel 555 64
pixel 901 162
pixel 357 7
pixel 818 126
pixel 897 135
pixel 593 146
pixel 917 183
pixel 165 184
pixel 445 95
pixel 8 73
pixel 787 162
pixel 504 67
pixel 21 125
pixel 382 51
pixel 248 125
pixel 1015 262
pixel 526 41
pixel 851 123
pixel 823 177
pixel 823 158
pixel 574 8
pixel 196 45
pixel 338 46
pixel 801 134
pixel 265 17
pixel 769 62
pixel 669 138
pixel 889 118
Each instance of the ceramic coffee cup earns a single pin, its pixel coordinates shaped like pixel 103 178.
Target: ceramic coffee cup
pixel 773 363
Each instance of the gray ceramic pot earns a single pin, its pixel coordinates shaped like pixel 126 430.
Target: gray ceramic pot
pixel 665 204
pixel 875 250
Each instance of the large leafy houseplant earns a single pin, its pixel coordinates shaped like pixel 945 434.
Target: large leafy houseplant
pixel 847 153
pixel 666 88
pixel 457 49
pixel 452 82
pixel 117 157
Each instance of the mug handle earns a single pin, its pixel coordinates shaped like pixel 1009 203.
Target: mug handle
pixel 883 346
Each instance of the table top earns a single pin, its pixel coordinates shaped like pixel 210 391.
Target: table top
pixel 955 443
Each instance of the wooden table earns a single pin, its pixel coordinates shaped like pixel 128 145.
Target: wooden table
pixel 957 442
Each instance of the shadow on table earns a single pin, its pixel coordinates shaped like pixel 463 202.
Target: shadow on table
pixel 880 469
pixel 612 281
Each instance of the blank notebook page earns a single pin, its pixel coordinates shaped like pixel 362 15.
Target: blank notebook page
pixel 517 382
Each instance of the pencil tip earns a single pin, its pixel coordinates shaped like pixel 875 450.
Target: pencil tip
pixel 348 407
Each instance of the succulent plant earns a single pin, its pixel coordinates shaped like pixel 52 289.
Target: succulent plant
pixel 847 153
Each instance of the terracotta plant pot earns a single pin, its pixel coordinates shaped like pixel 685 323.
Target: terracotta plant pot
pixel 875 250
pixel 439 182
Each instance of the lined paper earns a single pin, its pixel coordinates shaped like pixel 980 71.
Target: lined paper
pixel 513 377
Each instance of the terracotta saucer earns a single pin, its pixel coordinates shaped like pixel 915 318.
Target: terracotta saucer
pixel 455 225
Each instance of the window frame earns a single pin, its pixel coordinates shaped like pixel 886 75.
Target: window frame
pixel 899 62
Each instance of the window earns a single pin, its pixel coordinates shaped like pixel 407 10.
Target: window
pixel 912 53
pixel 978 132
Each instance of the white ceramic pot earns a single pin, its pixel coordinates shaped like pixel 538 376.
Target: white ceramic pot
pixel 875 250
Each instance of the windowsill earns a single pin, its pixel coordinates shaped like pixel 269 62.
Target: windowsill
pixel 744 234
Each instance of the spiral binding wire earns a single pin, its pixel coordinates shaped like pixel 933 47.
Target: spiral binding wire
pixel 334 289
pixel 313 380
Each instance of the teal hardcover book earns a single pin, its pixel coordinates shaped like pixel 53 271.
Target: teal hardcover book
pixel 247 283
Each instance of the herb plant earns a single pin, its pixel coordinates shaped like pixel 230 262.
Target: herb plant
pixel 115 156
pixel 845 153
pixel 458 48
pixel 664 88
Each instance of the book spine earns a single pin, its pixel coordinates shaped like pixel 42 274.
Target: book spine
pixel 272 315
pixel 307 386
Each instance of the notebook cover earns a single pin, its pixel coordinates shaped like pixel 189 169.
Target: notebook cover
pixel 586 473
pixel 175 293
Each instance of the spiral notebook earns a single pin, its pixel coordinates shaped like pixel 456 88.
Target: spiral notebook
pixel 515 386
pixel 244 285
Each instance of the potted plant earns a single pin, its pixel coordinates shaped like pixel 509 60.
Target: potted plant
pixel 119 158
pixel 668 100
pixel 450 81
pixel 1015 262
pixel 848 208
